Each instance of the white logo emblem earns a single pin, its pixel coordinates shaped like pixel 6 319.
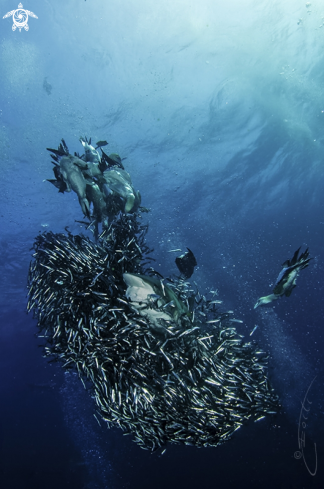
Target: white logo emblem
pixel 20 18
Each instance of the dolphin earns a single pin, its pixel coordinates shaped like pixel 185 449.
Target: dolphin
pixel 70 168
pixel 119 182
pixel 99 211
pixel 152 299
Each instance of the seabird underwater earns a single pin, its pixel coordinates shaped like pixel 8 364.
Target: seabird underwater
pixel 286 280
pixel 162 362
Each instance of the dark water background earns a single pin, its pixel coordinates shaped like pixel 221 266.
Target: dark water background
pixel 219 109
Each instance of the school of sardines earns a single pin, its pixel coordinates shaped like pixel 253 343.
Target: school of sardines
pixel 162 370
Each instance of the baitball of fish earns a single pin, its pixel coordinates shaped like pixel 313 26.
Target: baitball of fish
pixel 186 263
pixel 192 380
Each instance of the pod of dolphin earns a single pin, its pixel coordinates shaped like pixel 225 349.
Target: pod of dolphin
pixel 160 359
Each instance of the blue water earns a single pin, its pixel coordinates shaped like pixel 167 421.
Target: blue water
pixel 219 109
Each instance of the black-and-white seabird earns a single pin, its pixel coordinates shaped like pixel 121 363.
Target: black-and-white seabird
pixel 286 280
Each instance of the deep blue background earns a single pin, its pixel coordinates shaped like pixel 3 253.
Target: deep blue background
pixel 219 109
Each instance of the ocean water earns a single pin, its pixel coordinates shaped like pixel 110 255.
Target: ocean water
pixel 219 109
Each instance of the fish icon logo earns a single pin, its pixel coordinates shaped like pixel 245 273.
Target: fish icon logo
pixel 20 18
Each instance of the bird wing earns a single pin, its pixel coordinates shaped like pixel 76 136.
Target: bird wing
pixel 286 275
pixel 31 14
pixel 294 264
pixel 9 14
